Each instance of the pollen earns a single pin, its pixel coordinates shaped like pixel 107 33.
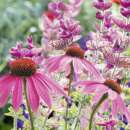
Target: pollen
pixel 23 67
pixel 75 52
pixel 113 85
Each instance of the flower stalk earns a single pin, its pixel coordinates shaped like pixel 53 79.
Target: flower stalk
pixel 103 98
pixel 28 106
pixel 69 91
pixel 15 123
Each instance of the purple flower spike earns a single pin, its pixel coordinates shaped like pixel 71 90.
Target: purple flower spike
pixel 125 121
pixel 62 6
pixel 69 29
pixel 125 3
pixel 127 27
pixel 119 23
pixel 102 5
pixel 128 84
pixel 107 20
pixel 30 42
pixel 20 124
pixel 125 12
pixel 83 41
pixel 58 8
pixel 99 16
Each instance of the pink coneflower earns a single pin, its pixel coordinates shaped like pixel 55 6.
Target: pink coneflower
pixel 74 55
pixel 113 91
pixel 24 71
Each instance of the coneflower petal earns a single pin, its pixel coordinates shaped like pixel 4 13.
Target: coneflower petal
pixel 121 107
pixel 89 67
pixel 32 94
pixel 76 65
pixel 17 94
pixel 52 84
pixel 6 85
pixel 53 63
pixel 42 90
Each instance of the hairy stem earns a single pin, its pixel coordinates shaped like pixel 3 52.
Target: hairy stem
pixel 28 106
pixel 103 98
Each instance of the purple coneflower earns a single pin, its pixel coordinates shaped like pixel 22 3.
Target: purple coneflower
pixel 74 55
pixel 24 67
pixel 25 75
pixel 107 92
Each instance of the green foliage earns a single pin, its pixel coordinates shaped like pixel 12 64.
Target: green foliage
pixel 19 18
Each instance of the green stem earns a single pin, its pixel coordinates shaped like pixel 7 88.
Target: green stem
pixel 28 106
pixel 15 123
pixel 103 98
pixel 77 119
pixel 45 120
pixel 69 91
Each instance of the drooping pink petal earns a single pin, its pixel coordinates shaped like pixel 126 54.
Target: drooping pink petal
pixel 42 90
pixel 89 67
pixel 98 95
pixel 112 94
pixel 67 70
pixel 115 108
pixel 6 85
pixel 106 105
pixel 55 87
pixel 32 94
pixel 66 60
pixel 87 83
pixel 127 114
pixel 17 94
pixel 91 86
pixel 77 66
pixel 122 108
pixel 53 63
pixel 2 78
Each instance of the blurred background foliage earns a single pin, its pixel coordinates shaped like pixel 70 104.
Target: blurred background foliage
pixel 20 18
